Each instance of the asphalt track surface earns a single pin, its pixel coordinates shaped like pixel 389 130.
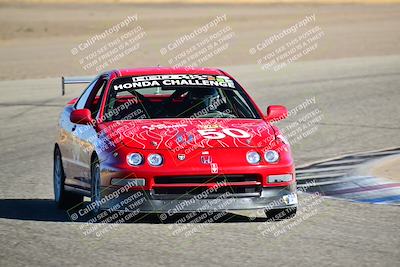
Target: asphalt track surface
pixel 359 98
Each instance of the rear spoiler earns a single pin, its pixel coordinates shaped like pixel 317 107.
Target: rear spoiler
pixel 74 80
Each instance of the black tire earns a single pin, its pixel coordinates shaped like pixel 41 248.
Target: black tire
pixel 63 198
pixel 281 214
pixel 95 185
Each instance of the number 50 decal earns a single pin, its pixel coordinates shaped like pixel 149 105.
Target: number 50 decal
pixel 232 132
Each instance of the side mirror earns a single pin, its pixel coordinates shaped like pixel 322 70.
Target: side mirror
pixel 276 113
pixel 81 116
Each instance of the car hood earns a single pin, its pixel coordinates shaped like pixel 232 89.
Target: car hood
pixel 176 134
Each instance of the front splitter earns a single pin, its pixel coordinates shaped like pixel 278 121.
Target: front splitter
pixel 148 202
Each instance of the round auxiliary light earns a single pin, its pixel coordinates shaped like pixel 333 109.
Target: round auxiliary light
pixel 271 156
pixel 134 159
pixel 155 159
pixel 253 157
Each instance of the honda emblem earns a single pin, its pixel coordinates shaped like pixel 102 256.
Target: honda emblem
pixel 206 159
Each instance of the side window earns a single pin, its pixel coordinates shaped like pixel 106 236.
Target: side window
pixel 94 100
pixel 80 104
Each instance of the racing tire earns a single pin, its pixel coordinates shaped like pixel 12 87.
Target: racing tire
pixel 95 196
pixel 281 214
pixel 64 199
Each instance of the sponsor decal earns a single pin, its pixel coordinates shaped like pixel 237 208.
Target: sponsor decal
pixel 214 167
pixel 176 80
pixel 210 126
pixel 232 132
pixel 181 156
pixel 162 126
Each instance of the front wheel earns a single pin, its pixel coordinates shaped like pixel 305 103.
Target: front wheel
pixel 63 198
pixel 95 186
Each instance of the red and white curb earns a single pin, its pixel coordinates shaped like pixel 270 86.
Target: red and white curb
pixel 341 178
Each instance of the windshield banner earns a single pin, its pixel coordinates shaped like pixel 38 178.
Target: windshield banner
pixel 176 80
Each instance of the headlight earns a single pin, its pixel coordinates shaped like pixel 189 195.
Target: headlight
pixel 253 157
pixel 155 159
pixel 271 156
pixel 134 159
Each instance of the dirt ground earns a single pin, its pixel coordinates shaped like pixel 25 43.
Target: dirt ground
pixel 210 1
pixel 36 40
pixel 389 169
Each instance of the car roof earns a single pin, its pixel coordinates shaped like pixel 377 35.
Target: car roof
pixel 168 70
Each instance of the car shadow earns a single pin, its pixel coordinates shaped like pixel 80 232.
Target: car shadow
pixel 32 210
pixel 46 210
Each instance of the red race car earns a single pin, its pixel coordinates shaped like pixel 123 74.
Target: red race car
pixel 171 140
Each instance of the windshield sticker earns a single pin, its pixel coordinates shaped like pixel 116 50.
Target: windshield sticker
pixel 176 80
pixel 163 126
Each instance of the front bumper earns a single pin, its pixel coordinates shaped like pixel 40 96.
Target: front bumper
pixel 178 187
pixel 146 201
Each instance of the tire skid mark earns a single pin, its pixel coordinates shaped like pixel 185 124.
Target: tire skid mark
pixel 339 178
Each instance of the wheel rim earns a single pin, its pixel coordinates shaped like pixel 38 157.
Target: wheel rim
pixel 57 177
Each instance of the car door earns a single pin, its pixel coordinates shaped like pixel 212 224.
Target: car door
pixel 85 135
pixel 69 147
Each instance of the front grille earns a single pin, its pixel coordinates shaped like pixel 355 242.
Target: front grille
pixel 206 179
pixel 237 185
pixel 198 190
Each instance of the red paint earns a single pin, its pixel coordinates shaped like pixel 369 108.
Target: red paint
pixel 78 144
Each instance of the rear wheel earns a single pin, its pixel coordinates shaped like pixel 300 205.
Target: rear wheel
pixel 63 198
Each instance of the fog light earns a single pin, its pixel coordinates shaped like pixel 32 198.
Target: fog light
pixel 129 182
pixel 279 178
pixel 290 199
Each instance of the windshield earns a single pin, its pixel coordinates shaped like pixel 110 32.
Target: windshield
pixel 177 96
